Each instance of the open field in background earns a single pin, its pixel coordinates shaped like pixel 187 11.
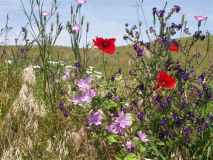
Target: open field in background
pixel 119 59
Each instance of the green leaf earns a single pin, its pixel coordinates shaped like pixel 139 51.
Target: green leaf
pixel 110 104
pixel 123 151
pixel 156 150
pixel 111 86
pixel 142 149
pixel 160 143
pixel 112 139
pixel 130 156
pixel 119 156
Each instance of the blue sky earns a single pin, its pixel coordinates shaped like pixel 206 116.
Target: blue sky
pixel 108 17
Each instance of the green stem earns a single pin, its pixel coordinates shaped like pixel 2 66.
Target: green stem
pixel 104 65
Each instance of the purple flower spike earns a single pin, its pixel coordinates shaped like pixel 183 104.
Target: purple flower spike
pixel 175 116
pixel 177 9
pixel 208 95
pixel 147 45
pixel 161 136
pixel 169 99
pixel 65 113
pixel 115 99
pixel 61 106
pixel 154 10
pixel 22 50
pixel 184 104
pixel 140 116
pixel 210 118
pixel 141 87
pixel 139 52
pixel 134 102
pixel 135 46
pixel 23 29
pixel 186 131
pixel 187 139
pixel 78 64
pixel 163 122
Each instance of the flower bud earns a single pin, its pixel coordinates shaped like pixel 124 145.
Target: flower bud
pixel 51 27
pixel 71 10
pixel 77 9
pixel 137 36
pixel 140 23
pixel 87 30
pixel 92 45
pixel 163 93
pixel 126 24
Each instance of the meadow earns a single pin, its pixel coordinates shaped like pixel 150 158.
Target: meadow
pixel 145 100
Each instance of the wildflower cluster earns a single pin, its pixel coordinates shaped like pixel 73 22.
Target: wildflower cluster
pixel 87 92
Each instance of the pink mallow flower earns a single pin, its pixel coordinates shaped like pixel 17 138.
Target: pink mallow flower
pixel 76 27
pixel 81 1
pixel 142 136
pixel 94 118
pixel 66 76
pixel 200 18
pixel 123 120
pixel 87 96
pixel 120 124
pixel 45 13
pixel 76 100
pixel 85 84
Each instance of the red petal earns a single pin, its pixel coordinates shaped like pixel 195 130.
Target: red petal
pixel 174 48
pixel 169 82
pixel 161 77
pixel 158 86
pixel 110 46
pixel 99 43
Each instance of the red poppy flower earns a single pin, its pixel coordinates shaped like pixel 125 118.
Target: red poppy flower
pixel 174 48
pixel 106 45
pixel 166 81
